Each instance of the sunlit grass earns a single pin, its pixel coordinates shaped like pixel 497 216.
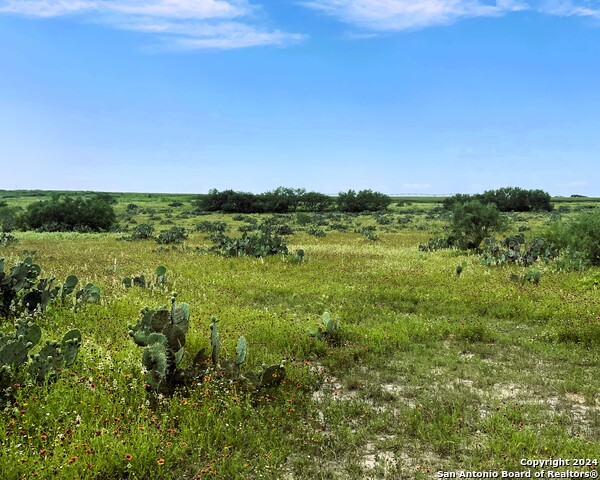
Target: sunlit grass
pixel 435 371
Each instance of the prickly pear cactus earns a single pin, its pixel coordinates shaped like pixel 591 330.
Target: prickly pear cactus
pixel 154 360
pixel 47 361
pixel 215 341
pixel 69 286
pixel 241 350
pixel 13 354
pixel 162 333
pixel 70 346
pixel 88 294
pixel 22 276
pixel 28 332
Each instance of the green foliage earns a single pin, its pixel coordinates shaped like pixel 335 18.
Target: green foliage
pixel 60 214
pixel 514 249
pixel 207 226
pixel 21 277
pixel 15 354
pixel 507 199
pixel 260 244
pixel 280 200
pixel 8 217
pixel 144 231
pixel 316 231
pixel 434 244
pixel 160 279
pixel 363 201
pixel 329 330
pixel 90 293
pixel 174 235
pixel 230 369
pixel 21 289
pixel 592 281
pixel 473 221
pixel 315 202
pixel 299 256
pixel 162 333
pixel 578 239
pixel 7 239
pixel 533 275
pixel 369 232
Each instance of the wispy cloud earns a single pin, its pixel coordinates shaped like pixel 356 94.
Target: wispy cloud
pixel 385 15
pixel 396 15
pixel 182 24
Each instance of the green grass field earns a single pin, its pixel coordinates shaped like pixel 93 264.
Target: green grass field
pixel 435 372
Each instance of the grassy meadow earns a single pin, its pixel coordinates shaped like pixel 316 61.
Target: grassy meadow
pixel 434 371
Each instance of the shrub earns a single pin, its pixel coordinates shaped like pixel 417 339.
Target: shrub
pixel 260 244
pixel 515 249
pixel 315 202
pixel 207 226
pixel 60 214
pixel 473 221
pixel 143 231
pixel 363 201
pixel 8 217
pixel 507 199
pixel 173 235
pixel 578 238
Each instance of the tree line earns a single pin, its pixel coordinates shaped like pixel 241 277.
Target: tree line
pixel 285 200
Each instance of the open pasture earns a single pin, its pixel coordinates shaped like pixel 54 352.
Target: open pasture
pixel 434 370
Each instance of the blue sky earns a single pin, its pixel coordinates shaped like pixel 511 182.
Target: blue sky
pixel 433 96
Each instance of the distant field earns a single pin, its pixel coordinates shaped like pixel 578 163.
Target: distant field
pixel 434 371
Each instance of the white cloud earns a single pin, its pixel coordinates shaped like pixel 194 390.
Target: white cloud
pixel 568 8
pixel 184 24
pixel 386 15
pixel 396 15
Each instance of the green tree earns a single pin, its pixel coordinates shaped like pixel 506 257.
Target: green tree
pixel 62 214
pixel 315 201
pixel 473 221
pixel 363 201
pixel 578 237
pixel 507 199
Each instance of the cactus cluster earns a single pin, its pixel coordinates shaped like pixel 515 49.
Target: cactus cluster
pixel 53 356
pixel 21 288
pixel 329 330
pixel 268 376
pixel 88 294
pixel 514 249
pixel 140 280
pixel 533 275
pixel 162 334
pixel 22 276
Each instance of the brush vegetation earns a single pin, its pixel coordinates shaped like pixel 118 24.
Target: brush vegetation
pixel 384 360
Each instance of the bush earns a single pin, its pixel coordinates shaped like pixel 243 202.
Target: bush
pixel 280 200
pixel 260 244
pixel 579 238
pixel 315 201
pixel 63 214
pixel 473 221
pixel 363 201
pixel 8 217
pixel 143 231
pixel 507 199
pixel 173 235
